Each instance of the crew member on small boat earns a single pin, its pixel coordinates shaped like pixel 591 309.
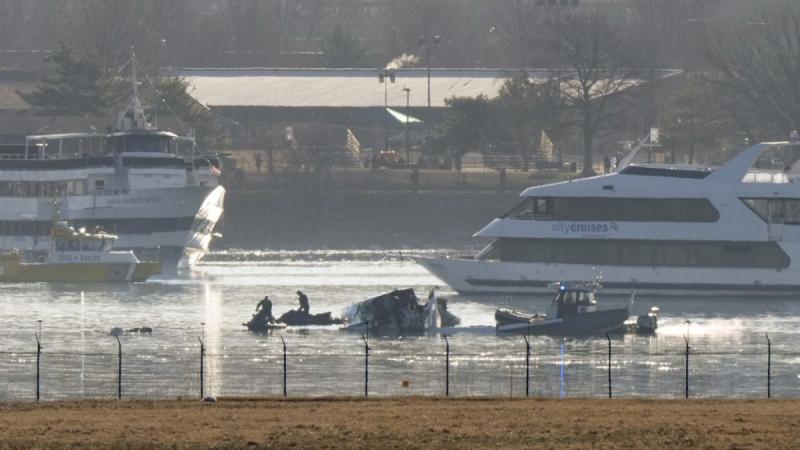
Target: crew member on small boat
pixel 265 306
pixel 304 307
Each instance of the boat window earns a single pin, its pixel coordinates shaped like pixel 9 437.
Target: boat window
pixel 91 245
pixel 107 244
pixel 532 208
pixel 523 210
pixel 587 298
pixel 628 252
pixel 490 252
pixel 99 185
pixel 41 188
pixel 631 209
pixel 147 144
pixel 61 245
pixel 775 210
pixel 666 172
pixel 73 245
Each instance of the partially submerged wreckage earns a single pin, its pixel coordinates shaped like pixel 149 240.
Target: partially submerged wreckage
pixel 399 312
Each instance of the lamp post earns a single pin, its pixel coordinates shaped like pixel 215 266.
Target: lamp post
pixel 407 90
pixel 428 43
pixel 383 74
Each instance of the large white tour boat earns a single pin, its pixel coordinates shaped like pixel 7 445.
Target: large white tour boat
pixel 151 188
pixel 662 228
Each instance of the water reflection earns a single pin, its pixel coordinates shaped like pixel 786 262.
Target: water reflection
pixel 727 336
pixel 213 335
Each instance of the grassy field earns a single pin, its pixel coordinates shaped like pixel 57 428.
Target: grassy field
pixel 405 423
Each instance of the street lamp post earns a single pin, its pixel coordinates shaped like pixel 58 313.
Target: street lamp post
pixel 383 74
pixel 407 90
pixel 428 43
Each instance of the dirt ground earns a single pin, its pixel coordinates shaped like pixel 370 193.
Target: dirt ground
pixel 405 423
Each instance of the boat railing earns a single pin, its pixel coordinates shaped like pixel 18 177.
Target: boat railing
pixel 32 256
pixel 767 176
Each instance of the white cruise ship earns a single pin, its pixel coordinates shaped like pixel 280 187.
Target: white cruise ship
pixel 149 187
pixel 666 229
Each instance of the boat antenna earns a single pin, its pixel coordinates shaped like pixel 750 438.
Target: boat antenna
pixel 188 130
pixel 133 117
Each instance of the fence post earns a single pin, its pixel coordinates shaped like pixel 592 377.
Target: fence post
pixel 38 361
pixel 686 381
pixel 527 366
pixel 769 367
pixel 119 369
pixel 609 364
pixel 202 367
pixel 446 367
pixel 366 366
pixel 284 366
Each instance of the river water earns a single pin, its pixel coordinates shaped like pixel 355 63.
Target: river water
pixel 79 359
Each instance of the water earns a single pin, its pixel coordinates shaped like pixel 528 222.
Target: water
pixel 79 359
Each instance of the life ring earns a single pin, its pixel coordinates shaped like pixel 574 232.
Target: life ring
pixel 118 274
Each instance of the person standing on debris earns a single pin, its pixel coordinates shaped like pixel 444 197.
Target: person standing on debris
pixel 303 302
pixel 265 306
pixel 259 161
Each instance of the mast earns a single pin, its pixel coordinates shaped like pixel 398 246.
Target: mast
pixel 133 117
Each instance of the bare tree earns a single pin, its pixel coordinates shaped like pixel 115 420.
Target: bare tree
pixel 693 118
pixel 759 62
pixel 603 63
pixel 12 22
pixel 107 28
pixel 515 25
pixel 402 25
pixel 270 25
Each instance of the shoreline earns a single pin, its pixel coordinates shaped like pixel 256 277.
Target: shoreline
pixel 404 422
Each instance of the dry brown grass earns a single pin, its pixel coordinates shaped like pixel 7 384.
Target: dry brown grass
pixel 405 423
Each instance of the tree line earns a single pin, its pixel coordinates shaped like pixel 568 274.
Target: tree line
pixel 740 85
pixel 352 33
pixel 740 60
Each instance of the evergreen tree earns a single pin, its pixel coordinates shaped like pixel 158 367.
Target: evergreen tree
pixel 171 97
pixel 466 127
pixel 75 86
pixel 528 108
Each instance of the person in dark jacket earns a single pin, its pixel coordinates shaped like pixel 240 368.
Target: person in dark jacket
pixel 265 306
pixel 303 302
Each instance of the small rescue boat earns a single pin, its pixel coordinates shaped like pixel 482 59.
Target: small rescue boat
pixel 76 256
pixel 648 323
pixel 573 311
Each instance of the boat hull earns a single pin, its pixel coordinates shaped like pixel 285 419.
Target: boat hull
pixel 78 272
pixel 470 276
pixel 596 322
pixel 174 226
